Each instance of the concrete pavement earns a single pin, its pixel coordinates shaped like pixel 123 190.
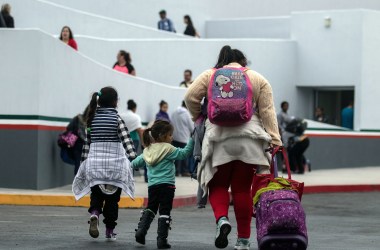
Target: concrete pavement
pixel 317 181
pixel 336 221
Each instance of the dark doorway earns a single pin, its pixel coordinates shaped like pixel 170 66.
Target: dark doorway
pixel 332 101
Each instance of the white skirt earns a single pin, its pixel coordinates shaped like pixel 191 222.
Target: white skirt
pixel 106 164
pixel 221 145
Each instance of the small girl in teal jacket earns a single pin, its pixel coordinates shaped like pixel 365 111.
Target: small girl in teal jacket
pixel 159 156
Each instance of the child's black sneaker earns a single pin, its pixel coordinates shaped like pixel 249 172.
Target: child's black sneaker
pixel 94 226
pixel 110 235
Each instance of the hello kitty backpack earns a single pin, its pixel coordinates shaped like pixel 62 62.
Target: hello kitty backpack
pixel 230 97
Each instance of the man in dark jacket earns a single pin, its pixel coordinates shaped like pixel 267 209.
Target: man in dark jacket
pixel 2 22
pixel 6 13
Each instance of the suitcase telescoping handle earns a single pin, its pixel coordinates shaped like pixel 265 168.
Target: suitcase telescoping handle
pixel 273 166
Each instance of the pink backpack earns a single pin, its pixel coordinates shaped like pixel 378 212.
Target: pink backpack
pixel 230 97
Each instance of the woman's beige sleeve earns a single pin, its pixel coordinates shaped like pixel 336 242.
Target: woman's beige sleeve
pixel 196 92
pixel 264 99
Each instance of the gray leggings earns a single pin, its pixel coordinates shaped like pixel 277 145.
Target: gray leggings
pixel 201 200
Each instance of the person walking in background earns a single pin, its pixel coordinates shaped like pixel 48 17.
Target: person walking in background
pixel 187 81
pixel 159 155
pixel 123 63
pixel 190 30
pixel 183 127
pixel 165 23
pixel 320 115
pixel 134 125
pixel 105 169
pixel 283 118
pixel 163 113
pixel 348 116
pixel 67 37
pixel 231 154
pixel 7 18
pixel 296 143
pixel 77 126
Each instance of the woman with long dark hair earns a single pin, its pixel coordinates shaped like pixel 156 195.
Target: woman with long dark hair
pixel 77 126
pixel 105 169
pixel 123 63
pixel 190 30
pixel 163 112
pixel 230 154
pixel 67 37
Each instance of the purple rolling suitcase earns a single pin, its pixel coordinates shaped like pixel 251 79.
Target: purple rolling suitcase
pixel 280 221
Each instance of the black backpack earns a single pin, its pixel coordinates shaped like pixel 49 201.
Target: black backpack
pixel 297 126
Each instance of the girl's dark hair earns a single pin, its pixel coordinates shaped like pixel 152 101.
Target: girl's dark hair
pixel 85 111
pixel 106 98
pixel 162 103
pixel 228 55
pixel 239 57
pixel 189 22
pixel 126 55
pixel 159 130
pixel 131 104
pixel 71 36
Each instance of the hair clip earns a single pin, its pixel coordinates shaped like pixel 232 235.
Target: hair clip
pixel 99 93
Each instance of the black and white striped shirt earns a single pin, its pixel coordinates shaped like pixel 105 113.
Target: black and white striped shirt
pixel 104 126
pixel 107 126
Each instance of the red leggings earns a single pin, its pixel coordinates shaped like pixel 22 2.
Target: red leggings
pixel 239 176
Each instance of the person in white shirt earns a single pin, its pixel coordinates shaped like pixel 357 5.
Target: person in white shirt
pixel 283 118
pixel 133 123
pixel 183 127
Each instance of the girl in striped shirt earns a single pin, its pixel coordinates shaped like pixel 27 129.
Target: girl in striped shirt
pixel 105 169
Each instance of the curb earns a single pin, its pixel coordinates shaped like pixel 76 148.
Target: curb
pixel 141 202
pixel 341 188
pixel 61 200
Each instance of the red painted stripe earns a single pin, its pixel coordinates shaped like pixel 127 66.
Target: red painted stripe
pixel 185 201
pixel 341 188
pixel 31 127
pixel 344 136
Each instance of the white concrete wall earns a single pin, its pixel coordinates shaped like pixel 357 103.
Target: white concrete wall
pixel 146 12
pixel 54 80
pixel 51 17
pixel 328 56
pixel 366 105
pixel 165 60
pixel 263 27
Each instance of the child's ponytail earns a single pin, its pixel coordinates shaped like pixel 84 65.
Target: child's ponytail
pixel 92 108
pixel 147 138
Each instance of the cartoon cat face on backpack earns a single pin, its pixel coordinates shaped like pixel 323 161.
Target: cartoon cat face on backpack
pixel 225 84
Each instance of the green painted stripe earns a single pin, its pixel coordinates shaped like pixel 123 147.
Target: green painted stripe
pixel 329 129
pixel 42 118
pixel 370 130
pixel 62 119
pixel 34 117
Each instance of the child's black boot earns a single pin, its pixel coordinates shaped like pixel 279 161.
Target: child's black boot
pixel 143 226
pixel 163 231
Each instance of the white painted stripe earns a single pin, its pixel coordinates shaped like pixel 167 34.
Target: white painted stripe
pixel 186 39
pixel 33 122
pixel 64 124
pixel 353 133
